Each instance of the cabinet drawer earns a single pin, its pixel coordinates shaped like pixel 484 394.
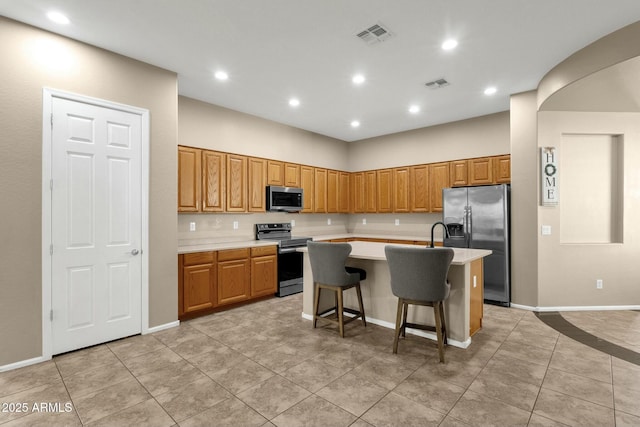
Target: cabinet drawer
pixel 231 254
pixel 264 250
pixel 199 258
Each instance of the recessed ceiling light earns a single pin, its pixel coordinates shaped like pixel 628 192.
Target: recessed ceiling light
pixel 355 124
pixel 414 109
pixel 358 79
pixel 294 102
pixel 221 75
pixel 490 90
pixel 58 18
pixel 449 44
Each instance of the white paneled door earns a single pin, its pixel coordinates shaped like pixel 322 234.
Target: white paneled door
pixel 96 224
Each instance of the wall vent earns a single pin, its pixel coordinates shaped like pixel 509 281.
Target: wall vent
pixel 375 34
pixel 437 84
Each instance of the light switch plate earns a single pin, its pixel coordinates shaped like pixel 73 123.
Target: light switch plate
pixel 546 230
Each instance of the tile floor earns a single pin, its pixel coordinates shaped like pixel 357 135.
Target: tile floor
pixel 263 365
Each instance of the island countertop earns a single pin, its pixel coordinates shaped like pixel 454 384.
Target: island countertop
pixel 375 251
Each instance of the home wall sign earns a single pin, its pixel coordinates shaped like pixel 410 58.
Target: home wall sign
pixel 549 176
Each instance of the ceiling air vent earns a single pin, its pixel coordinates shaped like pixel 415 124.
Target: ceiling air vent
pixel 374 34
pixel 437 84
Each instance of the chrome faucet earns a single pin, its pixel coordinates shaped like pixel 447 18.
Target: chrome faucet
pixel 446 230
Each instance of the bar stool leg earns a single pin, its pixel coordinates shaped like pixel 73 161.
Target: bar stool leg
pixel 340 312
pixel 444 324
pixel 316 303
pixel 359 292
pixel 398 325
pixel 436 308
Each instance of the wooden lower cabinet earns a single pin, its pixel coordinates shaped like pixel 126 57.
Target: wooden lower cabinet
pixel 476 307
pixel 196 282
pixel 234 275
pixel 264 271
pixel 208 281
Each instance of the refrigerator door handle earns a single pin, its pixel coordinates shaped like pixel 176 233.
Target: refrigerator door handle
pixel 469 225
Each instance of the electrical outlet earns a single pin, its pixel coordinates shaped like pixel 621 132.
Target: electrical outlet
pixel 397 221
pixel 293 223
pixel 546 230
pixel 235 225
pixel 192 226
pixel 599 284
pixel 364 221
pixel 328 221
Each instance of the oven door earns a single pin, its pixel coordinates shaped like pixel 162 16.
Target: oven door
pixel 290 277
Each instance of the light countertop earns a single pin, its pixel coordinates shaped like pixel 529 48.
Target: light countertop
pixel 207 247
pixel 375 251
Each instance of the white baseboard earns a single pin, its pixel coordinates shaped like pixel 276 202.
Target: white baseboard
pixel 418 332
pixel 23 363
pixel 161 327
pixel 577 308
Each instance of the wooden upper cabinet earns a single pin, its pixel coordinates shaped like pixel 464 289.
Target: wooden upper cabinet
pixel 502 169
pixel 438 179
pixel 419 188
pixel 385 190
pixel 357 192
pixel 213 181
pixel 320 190
pixel 343 192
pixel 401 190
pixel 275 172
pixel 370 192
pixel 333 196
pixel 459 172
pixel 480 171
pixel 257 177
pixel 307 185
pixel 291 175
pixel 236 183
pixel 189 179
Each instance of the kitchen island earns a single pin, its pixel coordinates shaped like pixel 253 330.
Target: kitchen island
pixel 463 308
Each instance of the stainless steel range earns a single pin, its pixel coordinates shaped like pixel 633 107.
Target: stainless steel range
pixel 289 260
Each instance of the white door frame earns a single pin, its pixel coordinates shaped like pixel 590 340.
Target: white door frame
pixel 47 96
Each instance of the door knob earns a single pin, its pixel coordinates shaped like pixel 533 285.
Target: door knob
pixel 134 252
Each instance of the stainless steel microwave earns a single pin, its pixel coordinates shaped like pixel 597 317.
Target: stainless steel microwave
pixel 284 199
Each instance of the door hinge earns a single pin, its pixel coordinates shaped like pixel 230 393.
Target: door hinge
pixel 51 315
pixel 51 184
pixel 51 120
pixel 51 249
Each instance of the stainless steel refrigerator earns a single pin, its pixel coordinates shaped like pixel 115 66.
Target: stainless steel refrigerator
pixel 478 217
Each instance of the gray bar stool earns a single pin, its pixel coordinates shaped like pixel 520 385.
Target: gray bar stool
pixel 419 277
pixel 329 272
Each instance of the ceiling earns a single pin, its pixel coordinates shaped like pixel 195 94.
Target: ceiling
pixel 308 49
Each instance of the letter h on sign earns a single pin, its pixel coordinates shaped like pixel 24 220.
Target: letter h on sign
pixel 548 176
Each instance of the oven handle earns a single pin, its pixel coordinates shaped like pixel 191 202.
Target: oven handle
pixel 288 250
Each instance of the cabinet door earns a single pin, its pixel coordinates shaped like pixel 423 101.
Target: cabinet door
pixel 343 192
pixel 438 179
pixel 233 281
pixel 291 175
pixel 419 188
pixel 213 181
pixel 358 201
pixel 264 275
pixel 257 178
pixel 332 191
pixel 275 172
pixel 459 172
pixel 401 190
pixel 189 179
pixel 476 296
pixel 502 169
pixel 480 171
pixel 308 187
pixel 385 190
pixel 370 192
pixel 320 190
pixel 199 287
pixel 236 183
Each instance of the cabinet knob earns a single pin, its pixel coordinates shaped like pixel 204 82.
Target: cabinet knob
pixel 134 252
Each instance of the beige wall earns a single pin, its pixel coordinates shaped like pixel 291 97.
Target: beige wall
pixel 477 137
pixel 524 198
pixel 79 68
pixel 209 126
